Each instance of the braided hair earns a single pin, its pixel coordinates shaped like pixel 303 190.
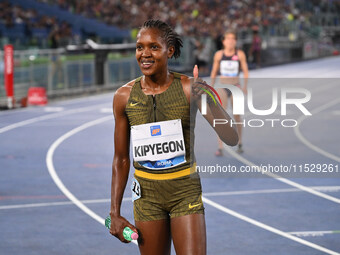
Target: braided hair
pixel 167 33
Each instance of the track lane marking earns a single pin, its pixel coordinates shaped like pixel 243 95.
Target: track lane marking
pixel 55 177
pixel 313 147
pixel 267 227
pixel 206 194
pixel 49 116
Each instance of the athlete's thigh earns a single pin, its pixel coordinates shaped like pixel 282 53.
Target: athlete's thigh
pixel 224 97
pixel 189 234
pixel 155 237
pixel 236 116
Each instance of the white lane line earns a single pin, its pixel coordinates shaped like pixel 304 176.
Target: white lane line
pixel 314 233
pixel 83 99
pixel 61 103
pixel 284 180
pixel 267 227
pixel 53 109
pixel 49 116
pixel 206 194
pixel 281 179
pixel 106 110
pixel 55 177
pixel 93 201
pixel 270 191
pixel 308 143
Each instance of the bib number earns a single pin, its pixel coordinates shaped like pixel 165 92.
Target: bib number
pixel 229 67
pixel 136 190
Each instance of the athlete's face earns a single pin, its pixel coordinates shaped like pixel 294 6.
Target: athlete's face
pixel 229 41
pixel 152 52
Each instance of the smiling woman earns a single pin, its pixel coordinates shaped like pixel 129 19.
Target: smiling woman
pixel 156 43
pixel 153 111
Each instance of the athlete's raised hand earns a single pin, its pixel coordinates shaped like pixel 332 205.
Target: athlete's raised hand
pixel 195 72
pixel 227 133
pixel 200 87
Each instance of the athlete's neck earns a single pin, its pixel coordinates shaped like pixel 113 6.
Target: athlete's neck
pixel 229 51
pixel 157 81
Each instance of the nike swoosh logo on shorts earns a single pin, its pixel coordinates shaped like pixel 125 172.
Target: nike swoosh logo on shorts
pixel 133 104
pixel 192 206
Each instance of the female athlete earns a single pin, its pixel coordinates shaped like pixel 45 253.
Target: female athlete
pixel 153 111
pixel 228 63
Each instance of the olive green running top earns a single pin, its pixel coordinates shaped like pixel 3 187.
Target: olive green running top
pixel 168 105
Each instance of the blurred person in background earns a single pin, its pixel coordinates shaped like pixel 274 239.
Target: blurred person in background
pixel 228 63
pixel 255 48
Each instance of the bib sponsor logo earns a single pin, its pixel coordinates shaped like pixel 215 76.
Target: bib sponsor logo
pixel 155 130
pixel 235 57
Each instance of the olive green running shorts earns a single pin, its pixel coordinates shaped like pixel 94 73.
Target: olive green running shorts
pixel 163 199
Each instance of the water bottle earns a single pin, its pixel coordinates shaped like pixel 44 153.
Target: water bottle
pixel 127 232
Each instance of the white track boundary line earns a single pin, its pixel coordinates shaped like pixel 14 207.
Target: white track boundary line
pixel 58 103
pixel 284 180
pixel 270 191
pixel 308 143
pixel 314 233
pixel 281 179
pixel 92 201
pixel 55 177
pixel 268 228
pixel 207 194
pixel 49 116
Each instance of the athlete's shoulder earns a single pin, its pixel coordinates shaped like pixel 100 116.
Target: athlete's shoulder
pixel 122 94
pixel 185 80
pixel 186 85
pixel 218 54
pixel 240 53
pixel 125 89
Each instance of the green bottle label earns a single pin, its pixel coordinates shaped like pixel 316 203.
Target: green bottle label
pixel 127 232
pixel 108 222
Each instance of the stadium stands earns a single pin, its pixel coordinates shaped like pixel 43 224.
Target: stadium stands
pixel 28 22
pixel 188 15
pixel 33 21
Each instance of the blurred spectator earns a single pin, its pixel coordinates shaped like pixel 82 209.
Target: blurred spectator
pixel 199 18
pixel 189 15
pixel 12 15
pixel 255 48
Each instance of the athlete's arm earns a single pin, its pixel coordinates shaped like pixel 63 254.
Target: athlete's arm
pixel 216 66
pixel 220 121
pixel 244 68
pixel 121 162
pixel 227 133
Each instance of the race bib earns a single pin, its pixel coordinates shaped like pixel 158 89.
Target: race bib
pixel 158 145
pixel 136 190
pixel 229 68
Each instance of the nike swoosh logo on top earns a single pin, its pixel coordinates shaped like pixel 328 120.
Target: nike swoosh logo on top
pixel 133 104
